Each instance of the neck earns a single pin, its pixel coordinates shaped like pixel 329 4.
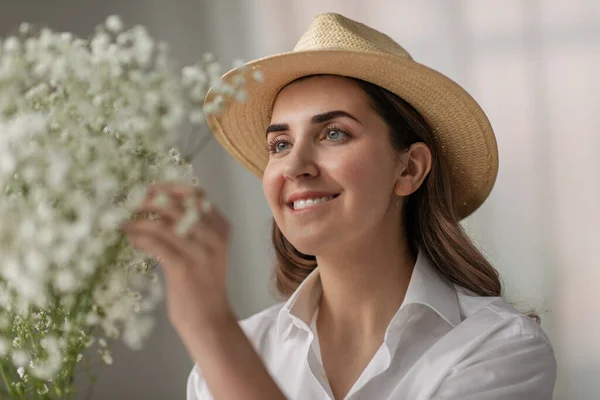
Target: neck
pixel 363 288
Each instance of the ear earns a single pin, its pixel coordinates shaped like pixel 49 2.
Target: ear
pixel 414 166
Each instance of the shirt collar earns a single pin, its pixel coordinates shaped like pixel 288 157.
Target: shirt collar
pixel 427 287
pixel 300 307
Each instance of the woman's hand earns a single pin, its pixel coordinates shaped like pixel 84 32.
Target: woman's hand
pixel 194 262
pixel 192 249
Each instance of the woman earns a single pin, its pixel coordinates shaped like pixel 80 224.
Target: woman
pixel 368 162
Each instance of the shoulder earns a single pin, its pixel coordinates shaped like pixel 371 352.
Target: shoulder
pixel 485 313
pixel 261 328
pixel 263 320
pixel 496 352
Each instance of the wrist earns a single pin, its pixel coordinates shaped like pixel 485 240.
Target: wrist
pixel 208 327
pixel 213 339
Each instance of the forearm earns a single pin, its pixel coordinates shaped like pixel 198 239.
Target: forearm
pixel 230 366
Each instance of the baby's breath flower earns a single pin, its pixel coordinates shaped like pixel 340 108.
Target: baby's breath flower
pixel 85 127
pixel 107 357
pixel 258 76
pixel 24 28
pixel 20 358
pixel 241 96
pixel 114 24
pixel 238 63
pixel 209 58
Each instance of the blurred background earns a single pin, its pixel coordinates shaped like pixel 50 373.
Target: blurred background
pixel 533 65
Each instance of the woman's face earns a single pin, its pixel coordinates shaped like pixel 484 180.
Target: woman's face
pixel 332 170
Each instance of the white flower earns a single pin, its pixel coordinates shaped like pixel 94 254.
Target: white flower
pixel 258 76
pixel 7 164
pixel 11 44
pixel 241 96
pixel 65 281
pixel 106 356
pixel 57 170
pixel 85 126
pixel 46 369
pixel 24 28
pixel 114 24
pixel 21 372
pixel 137 331
pixel 20 358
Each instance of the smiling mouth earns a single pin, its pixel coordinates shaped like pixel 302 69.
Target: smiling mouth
pixel 307 203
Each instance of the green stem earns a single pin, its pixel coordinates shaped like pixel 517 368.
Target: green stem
pixel 7 381
pixel 112 255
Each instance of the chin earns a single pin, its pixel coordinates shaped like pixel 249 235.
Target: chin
pixel 310 245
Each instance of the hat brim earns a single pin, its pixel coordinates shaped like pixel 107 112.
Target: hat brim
pixel 465 136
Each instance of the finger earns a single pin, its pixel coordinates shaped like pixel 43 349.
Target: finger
pixel 174 262
pixel 177 190
pixel 175 208
pixel 169 199
pixel 151 245
pixel 196 245
pixel 177 194
pixel 212 217
pixel 171 211
pixel 172 215
pixel 208 238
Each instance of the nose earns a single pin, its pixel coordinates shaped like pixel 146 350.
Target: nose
pixel 300 163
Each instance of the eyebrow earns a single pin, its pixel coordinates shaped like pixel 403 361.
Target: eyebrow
pixel 317 119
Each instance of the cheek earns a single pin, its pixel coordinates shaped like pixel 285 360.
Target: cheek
pixel 363 169
pixel 272 184
pixel 368 178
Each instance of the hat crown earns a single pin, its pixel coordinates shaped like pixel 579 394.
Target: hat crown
pixel 334 31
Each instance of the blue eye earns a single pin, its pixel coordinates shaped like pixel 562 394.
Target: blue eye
pixel 335 134
pixel 277 146
pixel 280 146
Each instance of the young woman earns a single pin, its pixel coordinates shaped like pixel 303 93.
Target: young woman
pixel 368 161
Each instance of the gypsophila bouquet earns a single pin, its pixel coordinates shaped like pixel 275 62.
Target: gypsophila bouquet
pixel 85 127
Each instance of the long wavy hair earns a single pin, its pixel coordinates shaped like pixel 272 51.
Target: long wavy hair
pixel 431 222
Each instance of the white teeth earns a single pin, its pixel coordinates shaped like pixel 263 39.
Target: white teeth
pixel 300 204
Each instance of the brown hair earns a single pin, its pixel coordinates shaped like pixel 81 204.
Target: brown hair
pixel 431 223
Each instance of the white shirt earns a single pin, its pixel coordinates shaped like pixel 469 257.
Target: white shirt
pixel 442 343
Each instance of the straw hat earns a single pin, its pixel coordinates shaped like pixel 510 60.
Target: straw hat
pixel 337 45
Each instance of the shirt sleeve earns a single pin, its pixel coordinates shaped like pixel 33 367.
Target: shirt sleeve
pixel 510 368
pixel 196 386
